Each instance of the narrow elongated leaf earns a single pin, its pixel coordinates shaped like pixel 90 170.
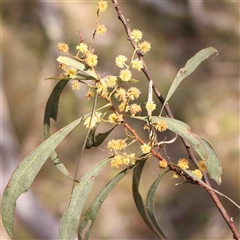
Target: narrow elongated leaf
pixel 90 215
pixel 59 78
pixel 91 137
pixel 137 172
pixel 190 66
pixel 51 111
pixel 74 63
pixel 202 147
pixel 71 216
pixel 78 76
pixel 26 172
pixel 150 205
pixel 102 136
pixel 95 141
pixel 55 158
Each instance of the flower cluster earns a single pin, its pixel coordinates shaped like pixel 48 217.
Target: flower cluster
pixel 108 86
pixel 91 123
pixel 120 158
pixel 197 173
pixel 123 159
pixel 162 164
pixel 101 29
pixel 161 126
pixel 71 72
pixel 145 148
pixel 125 74
pixel 86 52
pixel 102 6
pixel 114 118
pixel 75 85
pixel 116 144
pixel 150 107
pixel 136 36
pixel 202 166
pixel 184 164
pixel 63 48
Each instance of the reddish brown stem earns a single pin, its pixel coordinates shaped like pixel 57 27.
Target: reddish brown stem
pixel 213 195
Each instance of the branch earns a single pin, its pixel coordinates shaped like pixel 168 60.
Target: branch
pixel 167 109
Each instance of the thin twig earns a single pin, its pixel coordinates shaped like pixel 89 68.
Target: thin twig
pixel 85 141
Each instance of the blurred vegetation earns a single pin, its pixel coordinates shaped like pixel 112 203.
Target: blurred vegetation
pixel 208 101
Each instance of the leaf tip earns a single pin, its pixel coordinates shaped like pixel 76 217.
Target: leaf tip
pixel 219 180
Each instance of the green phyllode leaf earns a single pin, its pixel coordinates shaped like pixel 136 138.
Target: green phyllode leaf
pixel 190 66
pixel 76 64
pixel 95 141
pixel 71 216
pixel 51 111
pixel 90 215
pixel 150 204
pixel 202 147
pixel 137 172
pixel 79 76
pixel 26 172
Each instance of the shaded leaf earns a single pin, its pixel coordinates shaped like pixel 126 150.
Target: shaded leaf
pixel 51 111
pixel 91 137
pixel 74 63
pixel 90 215
pixel 150 205
pixel 102 136
pixel 190 66
pixel 71 216
pixel 95 141
pixel 54 156
pixel 202 147
pixel 26 172
pixel 137 172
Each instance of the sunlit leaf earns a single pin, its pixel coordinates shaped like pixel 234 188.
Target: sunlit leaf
pixel 78 76
pixel 71 216
pixel 59 78
pixel 202 147
pixel 190 66
pixel 150 205
pixel 137 172
pixel 26 172
pixel 90 215
pixel 132 80
pixel 76 64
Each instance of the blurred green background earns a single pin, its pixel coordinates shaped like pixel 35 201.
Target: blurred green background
pixel 208 101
